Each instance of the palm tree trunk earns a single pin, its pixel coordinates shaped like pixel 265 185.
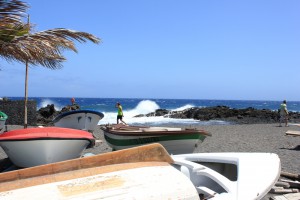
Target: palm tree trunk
pixel 26 90
pixel 26 96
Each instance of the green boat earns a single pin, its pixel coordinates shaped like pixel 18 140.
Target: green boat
pixel 174 140
pixel 3 118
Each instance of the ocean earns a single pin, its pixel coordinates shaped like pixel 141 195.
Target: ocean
pixel 135 106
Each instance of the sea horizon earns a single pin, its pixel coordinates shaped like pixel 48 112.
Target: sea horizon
pixel 137 106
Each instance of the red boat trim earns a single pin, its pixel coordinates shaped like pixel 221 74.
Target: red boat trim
pixel 46 134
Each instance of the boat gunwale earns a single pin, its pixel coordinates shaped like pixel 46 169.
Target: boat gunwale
pixel 45 132
pixel 155 133
pixel 147 153
pixel 120 129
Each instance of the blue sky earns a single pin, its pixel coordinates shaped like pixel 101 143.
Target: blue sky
pixel 195 49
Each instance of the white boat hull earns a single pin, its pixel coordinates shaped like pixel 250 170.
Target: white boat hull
pixel 84 120
pixel 172 146
pixel 233 176
pixel 28 153
pixel 2 124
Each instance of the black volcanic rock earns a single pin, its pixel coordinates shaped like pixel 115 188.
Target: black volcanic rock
pixel 47 111
pixel 158 112
pixel 46 114
pixel 240 116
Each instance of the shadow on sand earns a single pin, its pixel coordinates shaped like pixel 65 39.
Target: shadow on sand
pixel 296 148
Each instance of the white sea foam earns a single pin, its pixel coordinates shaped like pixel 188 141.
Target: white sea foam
pixel 148 106
pixel 183 107
pixel 45 102
pixel 144 107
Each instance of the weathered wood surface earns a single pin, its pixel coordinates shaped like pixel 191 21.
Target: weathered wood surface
pixel 146 153
pixel 293 133
pixel 292 196
pixel 292 184
pixel 290 175
pixel 282 184
pixel 287 186
pixel 281 190
pixel 140 180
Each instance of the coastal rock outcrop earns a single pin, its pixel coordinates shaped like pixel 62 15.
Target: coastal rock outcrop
pixel 46 114
pixel 239 116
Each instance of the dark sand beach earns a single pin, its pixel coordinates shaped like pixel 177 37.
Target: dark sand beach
pixel 242 138
pixel 235 138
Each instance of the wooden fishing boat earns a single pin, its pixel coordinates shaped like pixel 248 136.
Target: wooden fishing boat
pixel 174 140
pixel 37 146
pixel 146 172
pixel 138 173
pixel 79 119
pixel 3 118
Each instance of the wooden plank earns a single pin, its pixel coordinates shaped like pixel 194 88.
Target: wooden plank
pixel 294 133
pixel 294 196
pixel 146 153
pixel 282 184
pixel 293 184
pixel 281 197
pixel 291 196
pixel 290 175
pixel 280 190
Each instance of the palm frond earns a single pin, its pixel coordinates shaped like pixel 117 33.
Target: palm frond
pixel 12 11
pixel 42 48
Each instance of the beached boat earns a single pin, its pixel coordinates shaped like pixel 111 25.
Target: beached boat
pixel 174 140
pixel 79 119
pixel 37 146
pixel 146 172
pixel 138 173
pixel 244 176
pixel 3 118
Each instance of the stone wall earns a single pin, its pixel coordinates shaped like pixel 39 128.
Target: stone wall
pixel 15 112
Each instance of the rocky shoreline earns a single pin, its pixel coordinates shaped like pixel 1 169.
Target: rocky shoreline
pixel 249 115
pixel 224 113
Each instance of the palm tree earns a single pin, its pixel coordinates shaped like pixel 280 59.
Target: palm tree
pixel 44 48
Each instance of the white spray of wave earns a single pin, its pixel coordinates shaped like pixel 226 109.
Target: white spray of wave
pixel 183 107
pixel 145 107
pixel 46 102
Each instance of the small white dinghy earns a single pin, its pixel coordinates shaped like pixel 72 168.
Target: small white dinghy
pixel 79 119
pixel 244 176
